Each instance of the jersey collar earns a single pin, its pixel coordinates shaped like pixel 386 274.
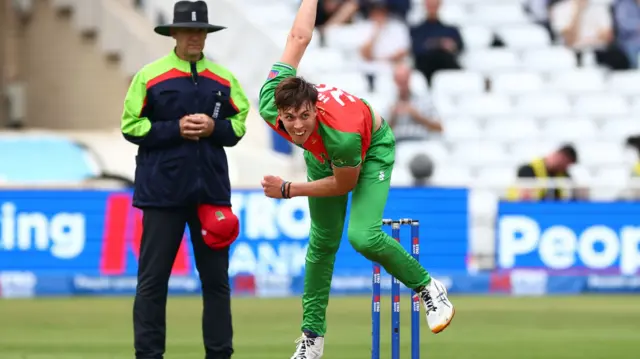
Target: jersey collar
pixel 315 145
pixel 185 66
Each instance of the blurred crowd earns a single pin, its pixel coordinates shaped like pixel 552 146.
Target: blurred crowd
pixel 612 31
pixel 605 34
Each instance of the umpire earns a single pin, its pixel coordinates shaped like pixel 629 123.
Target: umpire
pixel 181 111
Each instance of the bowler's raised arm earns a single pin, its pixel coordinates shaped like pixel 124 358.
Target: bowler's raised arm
pixel 301 32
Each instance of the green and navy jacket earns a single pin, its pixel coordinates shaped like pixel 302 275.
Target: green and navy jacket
pixel 170 170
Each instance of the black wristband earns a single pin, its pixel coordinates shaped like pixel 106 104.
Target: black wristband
pixel 288 189
pixel 283 189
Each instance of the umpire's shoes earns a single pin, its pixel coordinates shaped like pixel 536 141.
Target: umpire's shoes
pixel 309 346
pixel 439 309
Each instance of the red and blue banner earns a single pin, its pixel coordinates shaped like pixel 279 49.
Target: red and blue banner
pixel 86 241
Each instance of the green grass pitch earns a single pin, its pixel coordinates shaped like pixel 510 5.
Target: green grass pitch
pixel 586 327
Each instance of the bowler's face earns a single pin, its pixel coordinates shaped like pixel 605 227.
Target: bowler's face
pixel 189 42
pixel 299 123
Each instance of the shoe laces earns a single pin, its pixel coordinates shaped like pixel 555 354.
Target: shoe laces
pixel 428 301
pixel 303 344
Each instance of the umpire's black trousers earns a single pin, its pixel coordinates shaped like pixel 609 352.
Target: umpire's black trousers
pixel 161 236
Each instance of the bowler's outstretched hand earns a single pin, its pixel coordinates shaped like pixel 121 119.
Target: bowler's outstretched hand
pixel 272 186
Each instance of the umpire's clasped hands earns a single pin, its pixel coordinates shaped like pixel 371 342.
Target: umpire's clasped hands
pixel 192 127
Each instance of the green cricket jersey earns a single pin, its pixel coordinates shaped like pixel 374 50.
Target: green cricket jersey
pixel 344 122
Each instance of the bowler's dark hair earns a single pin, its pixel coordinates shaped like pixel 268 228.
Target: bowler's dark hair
pixel 295 92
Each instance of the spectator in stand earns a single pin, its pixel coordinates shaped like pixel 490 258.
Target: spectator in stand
pixel 633 142
pixel 585 26
pixel 335 12
pixel 399 8
pixel 554 165
pixel 388 42
pixel 411 117
pixel 436 45
pixel 627 21
pixel 538 11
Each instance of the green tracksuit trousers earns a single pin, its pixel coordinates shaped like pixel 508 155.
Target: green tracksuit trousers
pixel 365 232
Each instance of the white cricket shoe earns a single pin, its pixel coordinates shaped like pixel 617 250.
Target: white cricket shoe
pixel 439 309
pixel 309 348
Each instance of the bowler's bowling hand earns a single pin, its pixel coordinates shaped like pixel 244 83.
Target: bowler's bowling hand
pixel 272 186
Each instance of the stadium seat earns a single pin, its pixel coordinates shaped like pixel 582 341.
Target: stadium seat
pixel 406 150
pixel 516 83
pixel 581 174
pixel 445 105
pixel 457 82
pixel 279 37
pixel 543 104
pixel 346 37
pixel 511 128
pixel 484 105
pixel 496 175
pixel 524 36
pixel 614 174
pixel 401 176
pixel 602 104
pixel 418 83
pixel 497 14
pixel 603 2
pixel 462 130
pixel 566 118
pixel 352 82
pixel 575 82
pixel 619 128
pixel 624 82
pixel 570 130
pixel 416 15
pixel 634 109
pixel 453 14
pixel 524 151
pixel 598 153
pixel 479 153
pixel 489 61
pixel 629 156
pixel 274 14
pixel 447 174
pixel 610 182
pixel 550 59
pixel 384 83
pixel 323 60
pixel 476 37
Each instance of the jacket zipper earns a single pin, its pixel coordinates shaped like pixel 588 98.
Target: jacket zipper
pixel 194 78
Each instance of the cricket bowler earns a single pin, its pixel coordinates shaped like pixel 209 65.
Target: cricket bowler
pixel 348 148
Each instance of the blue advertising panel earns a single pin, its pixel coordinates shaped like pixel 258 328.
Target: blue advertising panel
pixel 575 238
pixel 89 240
